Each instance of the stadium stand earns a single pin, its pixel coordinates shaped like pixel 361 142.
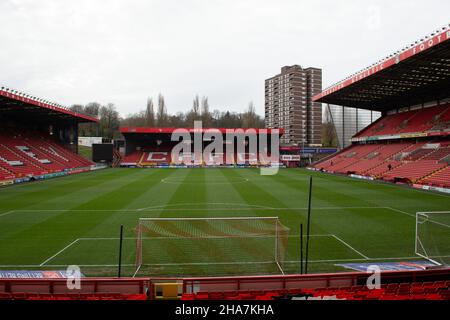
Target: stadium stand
pixel 29 154
pixel 158 158
pixel 421 120
pixel 37 139
pixel 71 296
pixel 150 147
pixel 414 171
pixel 155 158
pixel 396 285
pixel 133 158
pixel 410 142
pixel 440 178
pixel 5 174
pixel 409 162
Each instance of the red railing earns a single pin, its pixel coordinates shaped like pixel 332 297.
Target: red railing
pixel 88 285
pixel 136 286
pixel 193 285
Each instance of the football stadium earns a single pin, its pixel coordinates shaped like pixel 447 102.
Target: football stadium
pixel 147 223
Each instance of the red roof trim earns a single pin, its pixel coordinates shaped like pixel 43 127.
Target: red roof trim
pixel 290 148
pixel 419 48
pixel 192 130
pixel 46 106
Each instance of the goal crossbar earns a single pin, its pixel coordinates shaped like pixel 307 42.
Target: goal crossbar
pixel 209 218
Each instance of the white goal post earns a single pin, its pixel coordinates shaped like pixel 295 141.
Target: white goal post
pixel 433 236
pixel 213 246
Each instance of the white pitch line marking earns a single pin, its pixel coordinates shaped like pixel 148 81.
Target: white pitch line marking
pixel 66 247
pixel 371 259
pixel 62 265
pixel 291 261
pixel 401 211
pixel 133 265
pixel 206 237
pixel 349 246
pixel 6 213
pixel 208 263
pixel 167 181
pixel 207 203
pixel 163 207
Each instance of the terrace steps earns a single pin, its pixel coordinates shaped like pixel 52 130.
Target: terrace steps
pixel 17 154
pixel 433 174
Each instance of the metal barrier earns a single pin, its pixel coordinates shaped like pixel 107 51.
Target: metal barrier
pixel 87 285
pixel 344 279
pixel 173 287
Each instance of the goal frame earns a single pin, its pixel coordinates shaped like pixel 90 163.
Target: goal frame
pixel 139 234
pixel 417 238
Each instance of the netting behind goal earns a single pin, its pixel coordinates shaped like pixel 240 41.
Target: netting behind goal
pixel 433 236
pixel 210 246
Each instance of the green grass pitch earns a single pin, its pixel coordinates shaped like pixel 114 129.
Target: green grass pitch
pixel 75 220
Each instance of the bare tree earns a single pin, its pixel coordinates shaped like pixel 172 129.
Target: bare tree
pixel 194 113
pixel 250 118
pixel 109 121
pixel 150 113
pixel 92 108
pixel 196 106
pixel 77 108
pixel 162 117
pixel 206 114
pixel 135 120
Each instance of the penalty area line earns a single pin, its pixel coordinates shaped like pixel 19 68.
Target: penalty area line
pixel 289 261
pixel 401 211
pixel 349 246
pixel 59 252
pixel 6 213
pixel 166 208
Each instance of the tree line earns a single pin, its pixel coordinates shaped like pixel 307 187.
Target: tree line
pixel 157 115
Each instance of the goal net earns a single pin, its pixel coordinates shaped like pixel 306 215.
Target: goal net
pixel 210 246
pixel 433 236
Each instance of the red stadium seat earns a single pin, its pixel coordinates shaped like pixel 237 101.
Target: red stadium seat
pixel 407 162
pixel 394 291
pixel 421 120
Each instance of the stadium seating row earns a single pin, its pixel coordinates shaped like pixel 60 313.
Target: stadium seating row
pixel 413 162
pixel 435 290
pixel 158 157
pixel 71 296
pixel 440 178
pixel 29 154
pixel 422 120
pixel 133 158
pixel 439 290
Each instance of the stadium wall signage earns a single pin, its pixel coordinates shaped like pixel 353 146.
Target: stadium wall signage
pixel 34 274
pixel 290 157
pixel 49 175
pixel 431 188
pixel 388 62
pixel 6 183
pixel 390 266
pixel 401 136
pixel 356 176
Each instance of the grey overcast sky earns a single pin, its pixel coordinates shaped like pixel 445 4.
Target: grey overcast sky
pixel 123 51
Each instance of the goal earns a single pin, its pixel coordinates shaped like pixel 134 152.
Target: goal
pixel 433 236
pixel 210 246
